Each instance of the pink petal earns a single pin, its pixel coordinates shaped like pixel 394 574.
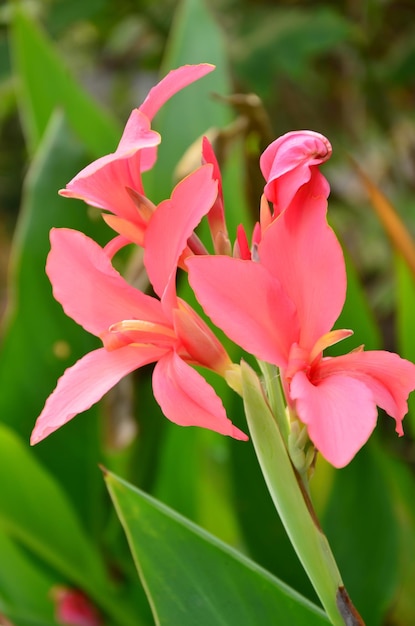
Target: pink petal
pixel 187 399
pixel 173 82
pixel 247 303
pixel 302 252
pixel 89 289
pixel 340 413
pixel 216 215
pixel 288 162
pixel 103 183
pixel 389 377
pixel 83 384
pixel 74 608
pixel 173 222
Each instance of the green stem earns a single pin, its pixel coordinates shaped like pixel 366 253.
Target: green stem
pixel 290 497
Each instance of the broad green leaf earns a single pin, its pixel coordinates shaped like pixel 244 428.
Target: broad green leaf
pixel 35 511
pixel 23 586
pixel 39 341
pixel 193 578
pixel 26 513
pixel 45 83
pixel 405 307
pixel 362 529
pixel 401 482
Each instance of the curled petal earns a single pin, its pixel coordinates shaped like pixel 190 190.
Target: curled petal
pixel 247 303
pixel 340 413
pixel 190 201
pixel 103 183
pixel 173 82
pixel 188 400
pixel 83 384
pixel 289 162
pixel 89 289
pixel 389 377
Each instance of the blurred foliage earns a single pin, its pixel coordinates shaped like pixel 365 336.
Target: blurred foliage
pixel 343 68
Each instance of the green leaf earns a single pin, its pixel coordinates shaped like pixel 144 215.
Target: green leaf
pixel 362 529
pixel 45 84
pixel 405 307
pixel 35 510
pixel 23 586
pixel 26 513
pixel 40 341
pixel 193 578
pixel 401 482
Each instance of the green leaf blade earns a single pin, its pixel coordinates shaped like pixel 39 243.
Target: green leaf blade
pixel 193 578
pixel 45 84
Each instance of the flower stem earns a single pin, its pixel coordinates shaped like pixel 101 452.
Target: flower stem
pixel 290 496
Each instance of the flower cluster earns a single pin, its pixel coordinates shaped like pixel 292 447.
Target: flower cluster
pixel 276 294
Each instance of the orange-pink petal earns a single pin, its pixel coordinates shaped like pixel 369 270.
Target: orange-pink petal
pixel 174 221
pixel 83 384
pixel 173 82
pixel 247 303
pixel 340 413
pixel 389 377
pixel 188 400
pixel 104 182
pixel 89 289
pixel 302 252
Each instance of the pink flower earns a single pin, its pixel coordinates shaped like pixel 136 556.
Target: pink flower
pixel 282 309
pixel 137 329
pixel 106 183
pixel 74 609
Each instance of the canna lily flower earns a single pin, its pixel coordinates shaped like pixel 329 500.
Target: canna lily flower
pixel 282 309
pixel 113 182
pixel 137 329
